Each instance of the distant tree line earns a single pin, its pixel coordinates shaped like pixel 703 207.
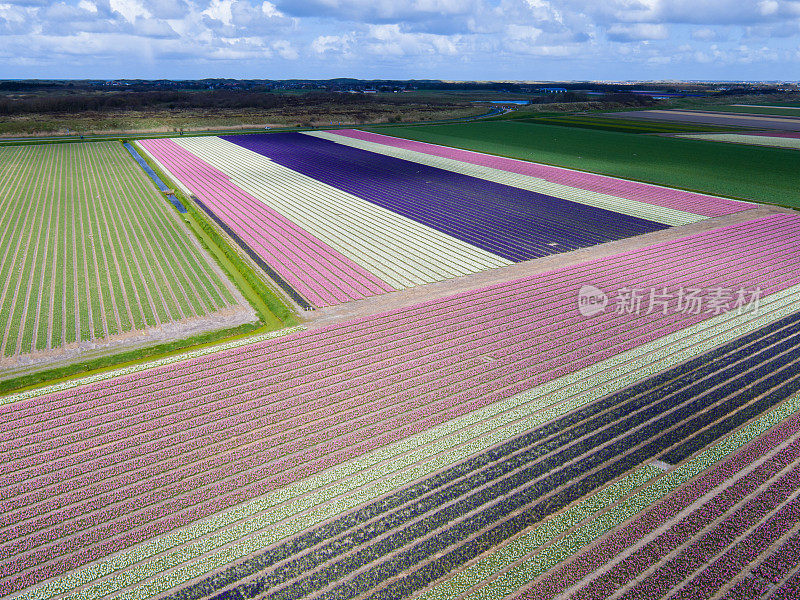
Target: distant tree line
pixel 178 100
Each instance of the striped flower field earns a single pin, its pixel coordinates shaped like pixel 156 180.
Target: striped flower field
pixel 507 221
pixel 399 250
pixel 462 446
pixel 334 219
pixel 316 271
pixel 689 202
pixel 90 253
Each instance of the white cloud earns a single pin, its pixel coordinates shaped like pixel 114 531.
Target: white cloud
pixel 331 44
pixel 220 10
pixel 481 39
pixel 130 9
pixel 706 34
pixel 637 32
pixel 285 49
pixel 270 11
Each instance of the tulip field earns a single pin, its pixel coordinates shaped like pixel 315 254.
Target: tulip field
pixel 91 253
pixel 496 442
pixel 345 215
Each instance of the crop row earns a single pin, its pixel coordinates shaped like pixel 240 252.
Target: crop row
pixel 399 250
pixel 553 293
pixel 658 412
pixel 681 513
pixel 205 444
pixel 634 208
pixel 691 202
pixel 778 141
pixel 89 250
pixel 510 222
pixel 315 270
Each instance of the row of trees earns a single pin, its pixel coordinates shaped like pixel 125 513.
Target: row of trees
pixel 176 100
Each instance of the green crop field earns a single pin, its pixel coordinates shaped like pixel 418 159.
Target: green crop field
pixel 748 172
pixel 623 125
pixel 90 250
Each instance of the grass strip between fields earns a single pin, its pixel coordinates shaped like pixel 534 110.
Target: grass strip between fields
pixel 168 561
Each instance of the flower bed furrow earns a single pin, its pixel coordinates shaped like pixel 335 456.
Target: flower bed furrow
pixel 781 562
pixel 704 549
pixel 593 559
pixel 737 558
pixel 680 532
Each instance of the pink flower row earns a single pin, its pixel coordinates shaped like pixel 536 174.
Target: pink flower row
pixel 690 526
pixel 419 355
pixel 342 388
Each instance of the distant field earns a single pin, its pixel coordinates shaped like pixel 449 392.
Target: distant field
pixel 623 125
pixel 751 173
pixel 333 222
pixel 778 141
pixel 788 109
pixel 89 251
pixel 715 118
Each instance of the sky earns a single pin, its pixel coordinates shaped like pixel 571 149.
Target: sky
pixel 519 40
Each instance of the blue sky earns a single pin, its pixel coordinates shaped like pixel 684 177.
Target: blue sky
pixel 402 39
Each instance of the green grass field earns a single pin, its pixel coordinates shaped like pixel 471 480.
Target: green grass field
pixel 747 172
pixel 90 250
